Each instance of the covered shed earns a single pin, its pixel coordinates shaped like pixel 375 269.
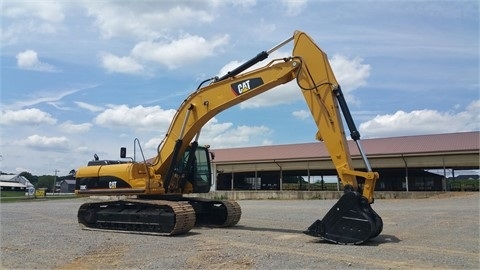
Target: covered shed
pixel 10 182
pixel 403 162
pixel 14 186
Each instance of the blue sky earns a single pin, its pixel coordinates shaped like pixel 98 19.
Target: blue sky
pixel 85 77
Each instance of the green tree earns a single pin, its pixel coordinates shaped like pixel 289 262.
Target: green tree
pixel 32 178
pixel 45 181
pixel 27 175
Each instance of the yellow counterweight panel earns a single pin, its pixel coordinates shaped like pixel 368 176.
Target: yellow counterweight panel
pixel 134 174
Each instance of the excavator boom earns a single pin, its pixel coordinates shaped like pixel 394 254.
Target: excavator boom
pixel 351 220
pixel 175 170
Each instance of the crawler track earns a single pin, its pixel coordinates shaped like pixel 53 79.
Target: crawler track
pixel 216 213
pixel 159 217
pixel 138 216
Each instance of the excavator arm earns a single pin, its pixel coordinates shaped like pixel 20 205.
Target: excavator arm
pixel 324 97
pixel 351 220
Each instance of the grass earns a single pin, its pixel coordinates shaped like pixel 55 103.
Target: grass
pixel 221 197
pixel 7 193
pixel 464 185
pixel 19 196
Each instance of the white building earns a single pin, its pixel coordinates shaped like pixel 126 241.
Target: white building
pixel 16 183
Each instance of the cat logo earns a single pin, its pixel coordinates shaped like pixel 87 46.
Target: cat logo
pixel 246 85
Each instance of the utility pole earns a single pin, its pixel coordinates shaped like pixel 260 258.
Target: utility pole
pixel 55 181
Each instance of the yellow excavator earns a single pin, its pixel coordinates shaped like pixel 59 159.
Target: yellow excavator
pixel 182 166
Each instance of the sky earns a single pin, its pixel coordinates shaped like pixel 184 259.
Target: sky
pixel 85 77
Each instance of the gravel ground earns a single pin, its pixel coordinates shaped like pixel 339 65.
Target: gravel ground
pixel 440 232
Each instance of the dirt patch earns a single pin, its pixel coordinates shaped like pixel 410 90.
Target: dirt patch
pixel 106 256
pixel 216 259
pixel 212 256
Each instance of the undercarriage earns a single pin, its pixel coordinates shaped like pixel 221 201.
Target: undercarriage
pixel 161 217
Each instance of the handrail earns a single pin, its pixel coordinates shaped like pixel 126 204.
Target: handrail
pixel 136 142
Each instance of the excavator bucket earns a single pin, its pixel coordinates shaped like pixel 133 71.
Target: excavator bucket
pixel 350 221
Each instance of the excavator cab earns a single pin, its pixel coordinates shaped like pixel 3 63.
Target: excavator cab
pixel 194 167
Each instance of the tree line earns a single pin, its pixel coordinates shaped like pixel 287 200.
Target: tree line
pixel 47 181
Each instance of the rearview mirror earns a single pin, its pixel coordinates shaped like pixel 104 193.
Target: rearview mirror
pixel 123 152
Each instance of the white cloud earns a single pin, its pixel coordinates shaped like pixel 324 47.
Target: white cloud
pixel 42 143
pixel 69 127
pixel 423 122
pixel 44 10
pixel 153 143
pixel 45 97
pixel 176 53
pixel 172 54
pixel 265 27
pixel 294 7
pixel 350 73
pixel 89 107
pixel 29 60
pixel 124 64
pixel 147 19
pixel 26 117
pixel 212 128
pixel 82 149
pixel 223 135
pixel 301 114
pixel 235 3
pixel 30 17
pixel 58 105
pixel 282 94
pixel 241 136
pixel 147 118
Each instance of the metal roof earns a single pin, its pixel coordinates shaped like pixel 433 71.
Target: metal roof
pixel 406 145
pixel 7 177
pixel 69 181
pixel 11 184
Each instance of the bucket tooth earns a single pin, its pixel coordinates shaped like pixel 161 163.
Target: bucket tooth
pixel 350 221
